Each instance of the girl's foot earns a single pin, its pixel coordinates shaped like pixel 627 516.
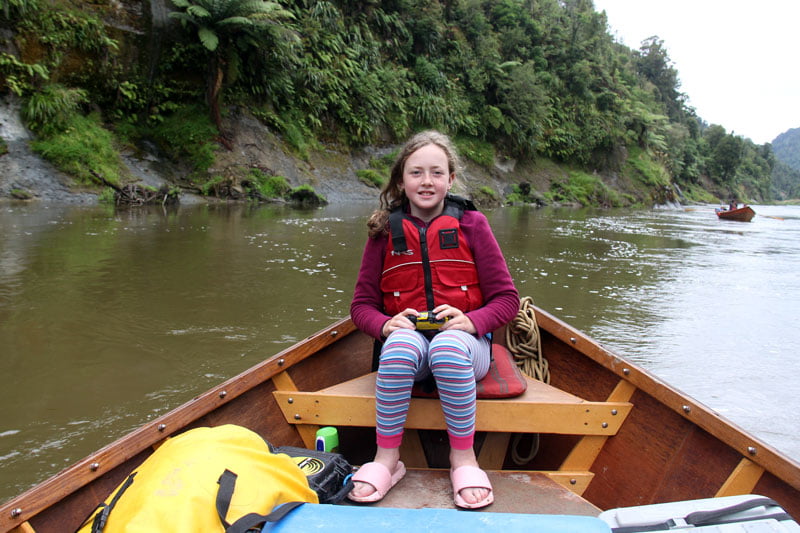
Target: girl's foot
pixel 389 458
pixel 470 495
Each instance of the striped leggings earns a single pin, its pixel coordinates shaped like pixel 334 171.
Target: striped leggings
pixel 455 358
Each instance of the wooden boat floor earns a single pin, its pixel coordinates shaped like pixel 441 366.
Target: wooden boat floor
pixel 514 492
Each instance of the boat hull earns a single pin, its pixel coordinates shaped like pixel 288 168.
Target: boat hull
pixel 742 214
pixel 668 448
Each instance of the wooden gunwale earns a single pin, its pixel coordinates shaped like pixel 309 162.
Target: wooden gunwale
pixel 748 446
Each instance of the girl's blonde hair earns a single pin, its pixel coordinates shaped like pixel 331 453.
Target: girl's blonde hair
pixel 393 194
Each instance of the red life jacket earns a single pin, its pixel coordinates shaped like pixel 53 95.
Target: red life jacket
pixel 430 266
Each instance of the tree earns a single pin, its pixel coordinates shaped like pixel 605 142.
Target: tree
pixel 656 66
pixel 227 28
pixel 725 153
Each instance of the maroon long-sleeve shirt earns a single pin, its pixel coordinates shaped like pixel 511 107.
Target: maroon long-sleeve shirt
pixel 500 297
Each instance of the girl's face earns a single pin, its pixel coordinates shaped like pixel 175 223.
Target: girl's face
pixel 426 180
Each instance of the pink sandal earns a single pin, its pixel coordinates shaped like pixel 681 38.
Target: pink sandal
pixel 378 476
pixel 465 477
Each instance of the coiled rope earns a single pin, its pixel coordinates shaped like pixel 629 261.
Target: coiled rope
pixel 525 344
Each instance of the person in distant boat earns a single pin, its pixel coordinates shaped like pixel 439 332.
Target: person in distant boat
pixel 429 252
pixel 733 205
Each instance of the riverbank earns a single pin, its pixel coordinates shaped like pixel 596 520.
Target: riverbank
pixel 331 170
pixel 26 176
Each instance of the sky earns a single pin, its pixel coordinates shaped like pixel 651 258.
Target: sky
pixel 738 61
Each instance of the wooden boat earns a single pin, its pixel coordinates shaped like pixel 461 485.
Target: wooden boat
pixel 741 214
pixel 609 435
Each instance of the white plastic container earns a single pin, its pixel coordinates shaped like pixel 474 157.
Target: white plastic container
pixel 730 514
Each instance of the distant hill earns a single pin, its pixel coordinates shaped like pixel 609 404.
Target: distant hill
pixel 786 171
pixel 787 147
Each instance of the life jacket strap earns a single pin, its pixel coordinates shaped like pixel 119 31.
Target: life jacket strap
pixel 454 206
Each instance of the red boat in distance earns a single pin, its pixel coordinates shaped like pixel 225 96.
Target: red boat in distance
pixel 741 214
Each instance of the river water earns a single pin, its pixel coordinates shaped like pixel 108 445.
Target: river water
pixel 111 318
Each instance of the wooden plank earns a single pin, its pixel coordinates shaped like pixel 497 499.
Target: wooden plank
pixel 364 386
pixel 283 381
pixel 411 450
pixel 742 480
pixel 308 432
pixel 542 409
pixel 588 448
pixel 575 481
pixel 493 452
pixel 584 453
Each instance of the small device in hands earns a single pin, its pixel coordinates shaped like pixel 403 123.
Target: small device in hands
pixel 427 320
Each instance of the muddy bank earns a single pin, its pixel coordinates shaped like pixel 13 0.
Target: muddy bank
pixel 25 175
pixel 330 170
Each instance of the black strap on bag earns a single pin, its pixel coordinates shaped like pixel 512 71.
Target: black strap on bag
pixel 713 517
pixel 227 483
pixel 100 519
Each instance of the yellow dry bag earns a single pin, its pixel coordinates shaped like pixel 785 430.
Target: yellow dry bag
pixel 176 489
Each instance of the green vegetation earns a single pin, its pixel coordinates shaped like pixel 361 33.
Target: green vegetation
pixel 585 190
pixel 696 194
pixel 18 77
pixel 306 196
pixel 485 196
pixel 19 194
pixel 270 186
pixel 83 149
pixel 786 173
pixel 371 177
pixel 378 173
pixel 51 109
pixel 522 79
pixel 211 186
pixel 260 187
pixel 787 147
pixel 188 134
pixel 481 152
pixel 106 196
pixel 521 194
pixel 228 30
pixel 645 169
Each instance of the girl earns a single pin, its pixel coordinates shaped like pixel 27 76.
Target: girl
pixel 429 251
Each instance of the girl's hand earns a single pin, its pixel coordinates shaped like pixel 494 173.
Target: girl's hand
pixel 399 321
pixel 458 320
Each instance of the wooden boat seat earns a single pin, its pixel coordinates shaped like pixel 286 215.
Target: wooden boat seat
pixel 540 409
